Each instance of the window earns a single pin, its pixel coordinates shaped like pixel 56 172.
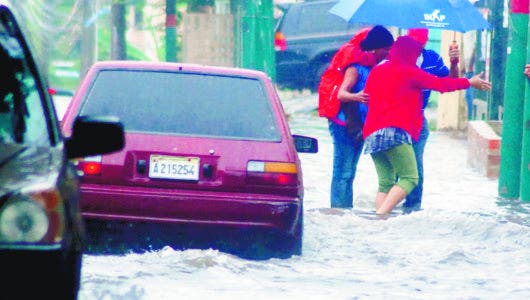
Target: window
pixel 184 104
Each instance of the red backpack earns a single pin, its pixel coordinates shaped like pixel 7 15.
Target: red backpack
pixel 349 53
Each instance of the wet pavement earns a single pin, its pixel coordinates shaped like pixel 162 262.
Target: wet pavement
pixel 466 243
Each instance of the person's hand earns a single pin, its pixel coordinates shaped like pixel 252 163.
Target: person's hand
pixel 479 83
pixel 527 70
pixel 361 97
pixel 454 53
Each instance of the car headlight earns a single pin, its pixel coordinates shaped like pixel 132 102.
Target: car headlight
pixel 23 221
pixel 32 217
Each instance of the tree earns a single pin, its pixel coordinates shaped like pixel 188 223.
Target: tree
pixel 118 27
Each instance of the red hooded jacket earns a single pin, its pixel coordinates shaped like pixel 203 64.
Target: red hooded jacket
pixel 395 90
pixel 349 53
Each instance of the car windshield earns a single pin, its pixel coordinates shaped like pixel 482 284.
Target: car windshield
pixel 184 104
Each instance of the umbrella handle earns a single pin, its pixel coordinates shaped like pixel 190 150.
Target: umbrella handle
pixel 454 70
pixel 452 47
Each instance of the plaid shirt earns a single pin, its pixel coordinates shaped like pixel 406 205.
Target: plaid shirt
pixel 385 138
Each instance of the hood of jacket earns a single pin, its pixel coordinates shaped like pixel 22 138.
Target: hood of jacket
pixel 405 51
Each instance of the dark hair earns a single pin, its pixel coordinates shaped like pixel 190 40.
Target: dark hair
pixel 378 37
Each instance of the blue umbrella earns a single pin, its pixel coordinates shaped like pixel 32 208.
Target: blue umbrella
pixel 455 15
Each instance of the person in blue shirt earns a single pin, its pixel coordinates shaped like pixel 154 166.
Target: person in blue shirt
pixel 432 62
pixel 345 128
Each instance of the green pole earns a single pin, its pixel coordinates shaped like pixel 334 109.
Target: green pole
pixel 481 53
pixel 510 165
pixel 525 157
pixel 498 58
pixel 171 31
pixel 266 21
pixel 236 9
pixel 249 28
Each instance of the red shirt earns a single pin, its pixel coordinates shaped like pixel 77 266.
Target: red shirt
pixel 395 90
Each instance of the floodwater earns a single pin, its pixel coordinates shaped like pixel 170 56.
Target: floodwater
pixel 466 243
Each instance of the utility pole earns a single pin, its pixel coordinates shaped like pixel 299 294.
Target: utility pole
pixel 525 124
pixel 266 25
pixel 498 58
pixel 171 31
pixel 511 169
pixel 254 34
pixel 249 34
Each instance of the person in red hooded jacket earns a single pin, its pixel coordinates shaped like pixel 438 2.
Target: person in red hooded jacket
pixel 370 46
pixel 395 118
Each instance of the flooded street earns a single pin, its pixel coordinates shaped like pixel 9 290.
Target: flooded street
pixel 465 243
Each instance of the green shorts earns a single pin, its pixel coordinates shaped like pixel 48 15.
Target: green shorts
pixel 396 165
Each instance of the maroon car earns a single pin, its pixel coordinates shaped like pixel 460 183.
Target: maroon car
pixel 208 150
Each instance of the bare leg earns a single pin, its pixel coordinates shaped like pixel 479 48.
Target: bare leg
pixel 394 196
pixel 379 199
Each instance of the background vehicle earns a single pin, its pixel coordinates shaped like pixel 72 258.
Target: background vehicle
pixel 306 38
pixel 41 230
pixel 61 98
pixel 208 149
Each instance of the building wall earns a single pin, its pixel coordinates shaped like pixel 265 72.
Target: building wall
pixel 208 39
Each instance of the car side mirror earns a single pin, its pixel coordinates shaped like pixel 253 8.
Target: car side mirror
pixel 305 144
pixel 95 135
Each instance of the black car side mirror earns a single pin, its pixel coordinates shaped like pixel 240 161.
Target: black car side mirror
pixel 305 144
pixel 95 135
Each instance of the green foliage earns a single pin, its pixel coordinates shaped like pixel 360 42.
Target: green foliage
pixel 67 46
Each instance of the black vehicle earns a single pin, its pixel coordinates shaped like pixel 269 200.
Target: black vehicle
pixel 41 230
pixel 306 38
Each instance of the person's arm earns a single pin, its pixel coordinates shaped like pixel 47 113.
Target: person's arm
pixel 424 80
pixel 351 76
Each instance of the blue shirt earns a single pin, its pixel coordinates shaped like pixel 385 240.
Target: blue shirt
pixel 431 62
pixel 363 72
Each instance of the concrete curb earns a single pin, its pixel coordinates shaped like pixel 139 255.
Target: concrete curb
pixel 484 144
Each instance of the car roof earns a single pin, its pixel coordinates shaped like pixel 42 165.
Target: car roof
pixel 170 66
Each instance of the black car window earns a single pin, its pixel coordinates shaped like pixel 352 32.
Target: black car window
pixel 22 117
pixel 184 104
pixel 327 22
pixel 315 18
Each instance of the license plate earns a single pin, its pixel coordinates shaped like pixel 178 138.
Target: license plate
pixel 174 167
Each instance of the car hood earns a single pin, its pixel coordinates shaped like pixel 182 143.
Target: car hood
pixel 23 166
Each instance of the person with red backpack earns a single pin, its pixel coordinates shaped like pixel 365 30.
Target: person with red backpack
pixel 343 102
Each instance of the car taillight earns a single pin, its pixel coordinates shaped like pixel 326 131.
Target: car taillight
pixel 272 173
pixel 280 44
pixel 90 165
pixel 33 217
